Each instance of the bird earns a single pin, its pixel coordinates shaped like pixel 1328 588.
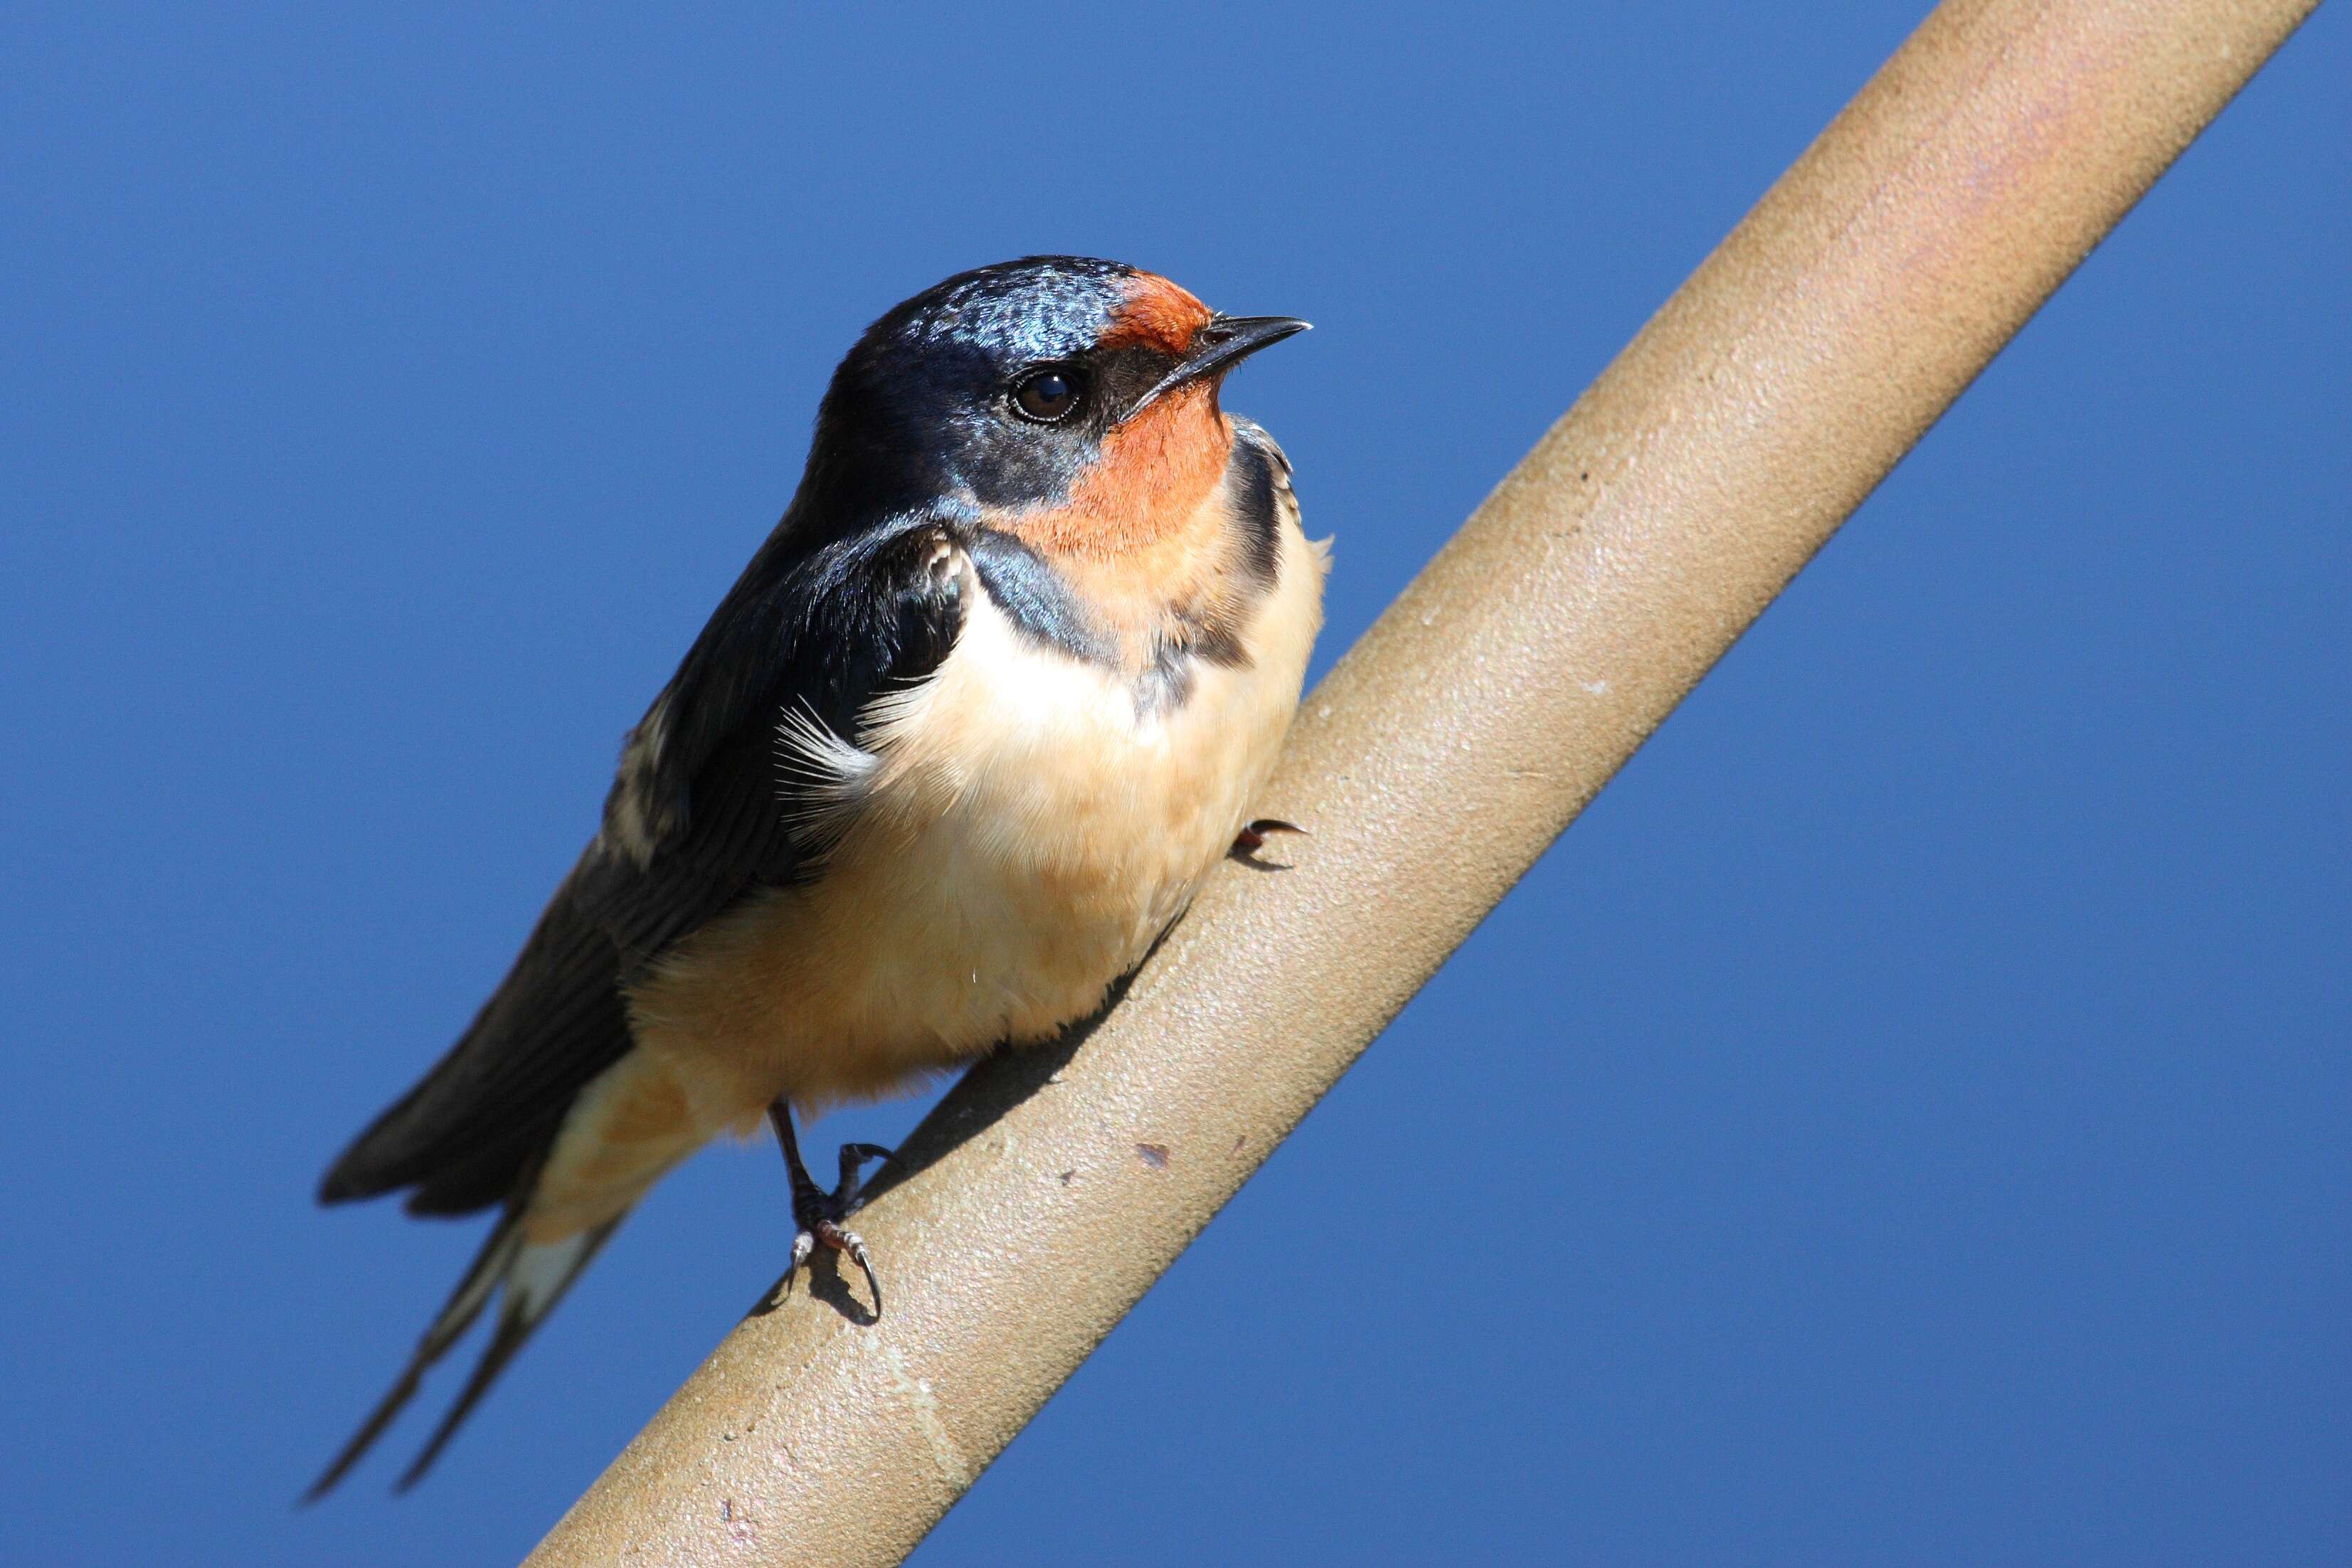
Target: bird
pixel 984 709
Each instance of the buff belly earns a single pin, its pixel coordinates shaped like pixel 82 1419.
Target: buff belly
pixel 1018 832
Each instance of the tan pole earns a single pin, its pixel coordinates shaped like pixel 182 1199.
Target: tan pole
pixel 1599 582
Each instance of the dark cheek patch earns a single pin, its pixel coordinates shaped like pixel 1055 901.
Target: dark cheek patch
pixel 1255 508
pixel 1036 599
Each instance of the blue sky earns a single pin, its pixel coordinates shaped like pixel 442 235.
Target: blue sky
pixel 1908 1117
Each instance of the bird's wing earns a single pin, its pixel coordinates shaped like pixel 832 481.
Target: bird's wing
pixel 710 803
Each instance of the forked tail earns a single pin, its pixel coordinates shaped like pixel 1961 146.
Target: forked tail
pixel 529 1279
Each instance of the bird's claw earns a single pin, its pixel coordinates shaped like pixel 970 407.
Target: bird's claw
pixel 853 1160
pixel 817 1216
pixel 850 1242
pixel 1251 839
pixel 835 1237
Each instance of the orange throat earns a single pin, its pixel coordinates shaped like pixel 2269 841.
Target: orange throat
pixel 1147 486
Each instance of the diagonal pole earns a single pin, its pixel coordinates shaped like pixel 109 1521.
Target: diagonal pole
pixel 1604 576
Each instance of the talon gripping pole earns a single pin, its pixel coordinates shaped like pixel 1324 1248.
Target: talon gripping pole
pixel 1520 669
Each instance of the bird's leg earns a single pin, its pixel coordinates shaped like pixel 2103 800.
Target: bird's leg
pixel 817 1214
pixel 1251 839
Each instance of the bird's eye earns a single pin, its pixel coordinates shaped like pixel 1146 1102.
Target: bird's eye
pixel 1047 396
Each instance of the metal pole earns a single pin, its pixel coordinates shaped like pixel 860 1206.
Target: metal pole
pixel 1604 576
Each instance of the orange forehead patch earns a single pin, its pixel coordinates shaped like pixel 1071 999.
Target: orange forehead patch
pixel 1157 314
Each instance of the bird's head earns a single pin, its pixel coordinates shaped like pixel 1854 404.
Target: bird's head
pixel 1071 401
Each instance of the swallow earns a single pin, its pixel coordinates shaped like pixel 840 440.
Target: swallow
pixel 982 712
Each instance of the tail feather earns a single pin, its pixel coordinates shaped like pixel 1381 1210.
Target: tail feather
pixel 529 1280
pixel 534 1283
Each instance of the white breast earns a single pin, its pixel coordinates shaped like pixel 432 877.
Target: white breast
pixel 1023 829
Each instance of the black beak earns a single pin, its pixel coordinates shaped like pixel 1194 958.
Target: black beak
pixel 1218 346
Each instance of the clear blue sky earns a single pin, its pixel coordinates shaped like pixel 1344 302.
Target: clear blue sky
pixel 1908 1118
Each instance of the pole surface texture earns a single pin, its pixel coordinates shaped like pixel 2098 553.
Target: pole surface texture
pixel 1604 576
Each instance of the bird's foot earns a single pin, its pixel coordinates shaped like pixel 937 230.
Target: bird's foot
pixel 1251 839
pixel 817 1216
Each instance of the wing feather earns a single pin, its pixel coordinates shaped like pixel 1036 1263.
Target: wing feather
pixel 703 810
pixel 701 813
